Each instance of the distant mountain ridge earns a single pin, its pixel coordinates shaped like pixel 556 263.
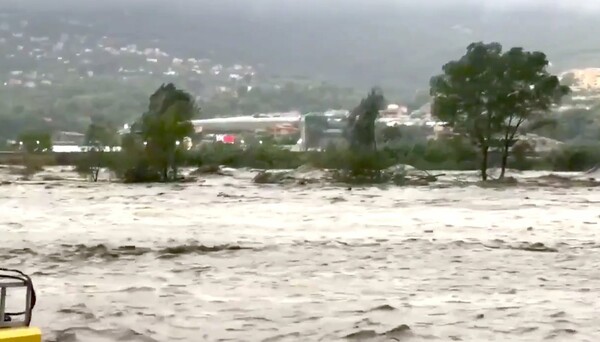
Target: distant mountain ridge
pixel 391 44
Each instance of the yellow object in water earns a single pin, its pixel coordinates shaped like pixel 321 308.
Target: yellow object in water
pixel 20 335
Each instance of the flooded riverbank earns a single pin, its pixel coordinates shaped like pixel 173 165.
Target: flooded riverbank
pixel 225 259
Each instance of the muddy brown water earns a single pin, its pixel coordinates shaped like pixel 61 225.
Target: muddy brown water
pixel 226 260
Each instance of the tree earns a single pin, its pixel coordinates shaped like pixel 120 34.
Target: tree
pixel 528 93
pixel 315 126
pixel 391 133
pixel 487 95
pixel 463 96
pixel 36 141
pixel 164 125
pixel 361 123
pixel 99 137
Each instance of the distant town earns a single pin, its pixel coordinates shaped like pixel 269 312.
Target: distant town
pixel 63 56
pixel 308 131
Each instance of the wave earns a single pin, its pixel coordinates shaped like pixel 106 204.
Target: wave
pixel 69 252
pixel 402 330
pixel 84 334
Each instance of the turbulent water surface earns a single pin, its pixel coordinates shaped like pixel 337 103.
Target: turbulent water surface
pixel 225 260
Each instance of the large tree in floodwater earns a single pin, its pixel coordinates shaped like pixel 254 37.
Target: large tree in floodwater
pixel 488 94
pixel 361 123
pixel 164 126
pixel 530 92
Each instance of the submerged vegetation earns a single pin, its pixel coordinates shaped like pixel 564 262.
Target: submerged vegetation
pixel 454 153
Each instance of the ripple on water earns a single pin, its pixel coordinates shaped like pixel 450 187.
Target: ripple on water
pixel 88 334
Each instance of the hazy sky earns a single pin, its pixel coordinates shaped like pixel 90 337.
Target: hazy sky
pixel 495 4
pixel 583 4
pixel 487 6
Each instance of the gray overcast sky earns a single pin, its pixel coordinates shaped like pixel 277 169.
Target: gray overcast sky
pixel 498 4
pixel 486 3
pixel 584 6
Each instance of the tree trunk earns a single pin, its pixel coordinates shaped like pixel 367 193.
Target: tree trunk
pixel 173 165
pixel 508 142
pixel 95 156
pixel 484 162
pixel 504 160
pixel 166 173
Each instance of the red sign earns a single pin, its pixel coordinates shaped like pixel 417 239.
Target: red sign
pixel 225 138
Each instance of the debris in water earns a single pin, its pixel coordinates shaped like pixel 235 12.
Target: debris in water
pixel 362 334
pixel 384 307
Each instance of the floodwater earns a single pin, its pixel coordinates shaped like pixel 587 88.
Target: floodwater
pixel 226 260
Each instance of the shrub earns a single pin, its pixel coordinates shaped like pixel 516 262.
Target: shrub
pixel 32 165
pixel 574 158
